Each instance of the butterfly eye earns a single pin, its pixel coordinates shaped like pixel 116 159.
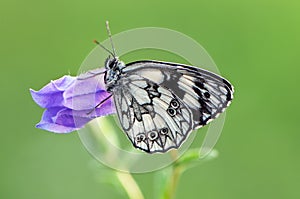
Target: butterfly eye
pixel 152 135
pixel 171 112
pixel 111 65
pixel 140 137
pixel 175 104
pixel 164 131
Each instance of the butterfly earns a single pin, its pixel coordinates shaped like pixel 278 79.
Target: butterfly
pixel 159 103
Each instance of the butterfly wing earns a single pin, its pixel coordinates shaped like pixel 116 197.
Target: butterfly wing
pixel 154 119
pixel 160 103
pixel 206 94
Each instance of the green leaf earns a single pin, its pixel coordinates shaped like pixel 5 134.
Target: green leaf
pixel 166 180
pixel 192 158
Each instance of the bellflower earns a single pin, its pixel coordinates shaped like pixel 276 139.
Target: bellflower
pixel 70 102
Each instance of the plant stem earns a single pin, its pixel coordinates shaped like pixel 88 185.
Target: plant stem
pixel 175 175
pixel 132 189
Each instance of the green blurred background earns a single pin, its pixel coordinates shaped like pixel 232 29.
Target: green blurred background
pixel 254 43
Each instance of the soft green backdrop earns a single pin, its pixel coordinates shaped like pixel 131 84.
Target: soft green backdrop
pixel 255 44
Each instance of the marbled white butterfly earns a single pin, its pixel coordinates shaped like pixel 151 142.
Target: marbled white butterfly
pixel 159 103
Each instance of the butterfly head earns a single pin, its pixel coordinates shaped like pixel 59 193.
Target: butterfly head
pixel 113 63
pixel 113 68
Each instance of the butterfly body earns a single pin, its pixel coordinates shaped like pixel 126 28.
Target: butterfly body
pixel 113 68
pixel 159 103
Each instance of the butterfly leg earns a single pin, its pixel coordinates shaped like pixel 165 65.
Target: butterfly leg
pixel 99 104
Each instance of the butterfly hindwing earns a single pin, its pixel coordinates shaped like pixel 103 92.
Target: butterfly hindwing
pixel 154 119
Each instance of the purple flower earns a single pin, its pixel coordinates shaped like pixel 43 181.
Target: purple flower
pixel 70 101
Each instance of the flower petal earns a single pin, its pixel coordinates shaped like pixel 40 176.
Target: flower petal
pixel 63 83
pixel 85 94
pixel 47 122
pixel 56 128
pixel 78 119
pixel 51 95
pixel 64 120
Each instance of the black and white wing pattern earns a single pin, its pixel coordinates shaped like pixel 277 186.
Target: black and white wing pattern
pixel 160 103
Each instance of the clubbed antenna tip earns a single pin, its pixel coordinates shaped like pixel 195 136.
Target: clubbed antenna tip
pixel 96 42
pixel 99 44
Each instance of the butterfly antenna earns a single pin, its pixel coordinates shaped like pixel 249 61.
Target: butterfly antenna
pixel 99 44
pixel 109 35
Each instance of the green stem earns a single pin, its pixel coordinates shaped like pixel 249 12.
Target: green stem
pixel 175 176
pixel 176 173
pixel 132 189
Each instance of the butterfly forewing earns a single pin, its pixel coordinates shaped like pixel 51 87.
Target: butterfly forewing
pixel 204 93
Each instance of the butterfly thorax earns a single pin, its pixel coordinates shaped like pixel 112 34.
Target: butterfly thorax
pixel 113 72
